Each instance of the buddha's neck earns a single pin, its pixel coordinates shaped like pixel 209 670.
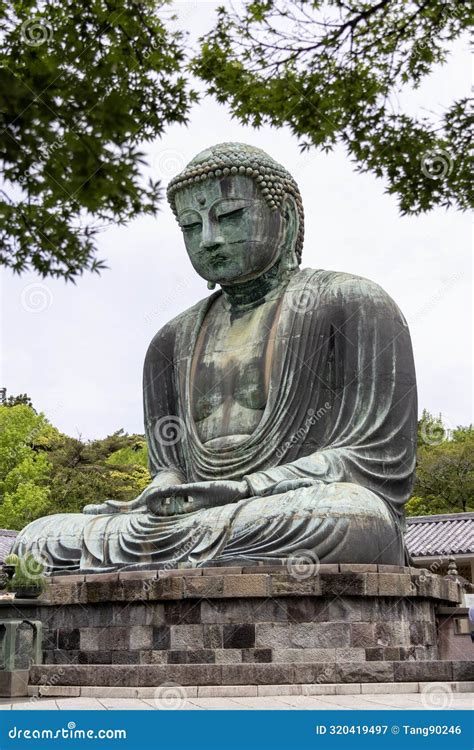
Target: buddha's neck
pixel 253 292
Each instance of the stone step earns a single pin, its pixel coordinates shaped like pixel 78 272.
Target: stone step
pixel 142 675
pixel 170 693
pixel 265 581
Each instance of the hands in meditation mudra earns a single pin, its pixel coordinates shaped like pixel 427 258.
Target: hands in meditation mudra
pixel 280 411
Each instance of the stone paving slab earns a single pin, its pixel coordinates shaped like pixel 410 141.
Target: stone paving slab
pixel 242 691
pixel 128 704
pixel 185 706
pixel 385 701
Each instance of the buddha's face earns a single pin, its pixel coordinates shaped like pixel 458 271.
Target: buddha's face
pixel 230 232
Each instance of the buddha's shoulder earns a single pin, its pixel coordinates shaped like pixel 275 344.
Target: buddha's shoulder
pixel 343 287
pixel 166 336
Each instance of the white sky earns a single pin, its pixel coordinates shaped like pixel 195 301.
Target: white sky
pixel 78 350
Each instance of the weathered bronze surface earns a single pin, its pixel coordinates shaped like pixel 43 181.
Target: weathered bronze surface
pixel 280 412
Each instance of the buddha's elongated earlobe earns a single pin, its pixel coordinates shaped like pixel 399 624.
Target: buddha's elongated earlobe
pixel 290 261
pixel 211 284
pixel 289 256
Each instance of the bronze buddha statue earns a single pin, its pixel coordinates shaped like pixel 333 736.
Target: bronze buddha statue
pixel 280 411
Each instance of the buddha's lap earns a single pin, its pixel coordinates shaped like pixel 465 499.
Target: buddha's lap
pixel 338 501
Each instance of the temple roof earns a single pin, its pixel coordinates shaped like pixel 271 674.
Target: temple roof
pixel 447 534
pixel 7 537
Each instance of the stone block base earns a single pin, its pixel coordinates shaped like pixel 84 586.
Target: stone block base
pixel 321 673
pixel 258 625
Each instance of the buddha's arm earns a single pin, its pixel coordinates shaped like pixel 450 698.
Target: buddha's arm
pixel 367 436
pixel 323 466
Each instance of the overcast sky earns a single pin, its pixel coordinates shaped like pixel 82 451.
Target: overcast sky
pixel 78 350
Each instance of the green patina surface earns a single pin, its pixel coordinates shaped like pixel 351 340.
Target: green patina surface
pixel 280 412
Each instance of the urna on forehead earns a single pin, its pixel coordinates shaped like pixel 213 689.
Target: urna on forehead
pixel 225 160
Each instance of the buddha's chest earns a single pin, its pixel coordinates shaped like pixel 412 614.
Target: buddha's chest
pixel 231 369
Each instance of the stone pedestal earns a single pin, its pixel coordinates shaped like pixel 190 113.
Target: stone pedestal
pixel 233 626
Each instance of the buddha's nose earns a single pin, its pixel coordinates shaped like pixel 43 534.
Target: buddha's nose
pixel 211 237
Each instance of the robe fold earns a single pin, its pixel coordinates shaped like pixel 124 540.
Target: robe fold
pixel 341 412
pixel 342 374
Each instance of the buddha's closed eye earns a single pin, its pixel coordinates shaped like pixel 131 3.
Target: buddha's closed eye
pixel 231 212
pixel 190 226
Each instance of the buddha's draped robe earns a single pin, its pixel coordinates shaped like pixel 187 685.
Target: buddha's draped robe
pixel 341 412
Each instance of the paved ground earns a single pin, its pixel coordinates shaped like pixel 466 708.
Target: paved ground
pixel 291 702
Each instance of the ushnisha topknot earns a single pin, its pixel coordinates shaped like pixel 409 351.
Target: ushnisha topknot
pixel 226 159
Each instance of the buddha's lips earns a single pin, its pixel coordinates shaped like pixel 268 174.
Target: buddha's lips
pixel 216 260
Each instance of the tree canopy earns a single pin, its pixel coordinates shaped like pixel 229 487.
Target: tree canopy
pixel 445 469
pixel 332 71
pixel 81 86
pixel 43 471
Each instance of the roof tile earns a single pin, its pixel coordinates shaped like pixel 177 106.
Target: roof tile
pixel 449 534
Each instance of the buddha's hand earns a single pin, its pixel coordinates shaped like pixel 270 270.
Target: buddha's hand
pixel 141 503
pixel 115 506
pixel 192 496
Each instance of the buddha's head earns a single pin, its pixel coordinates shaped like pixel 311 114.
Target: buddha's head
pixel 240 212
